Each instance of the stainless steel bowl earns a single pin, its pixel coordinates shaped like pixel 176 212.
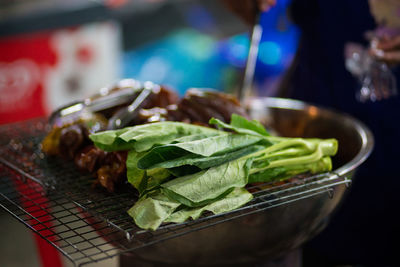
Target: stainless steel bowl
pixel 276 231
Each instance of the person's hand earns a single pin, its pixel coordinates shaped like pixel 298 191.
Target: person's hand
pixel 387 49
pixel 247 9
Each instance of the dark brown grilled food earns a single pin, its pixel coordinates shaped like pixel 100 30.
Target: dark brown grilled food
pixel 113 170
pixel 90 158
pixel 196 107
pixel 71 140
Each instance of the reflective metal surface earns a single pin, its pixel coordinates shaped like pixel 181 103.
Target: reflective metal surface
pixel 276 231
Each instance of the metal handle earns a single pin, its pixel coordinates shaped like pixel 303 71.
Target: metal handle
pixel 122 117
pixel 251 59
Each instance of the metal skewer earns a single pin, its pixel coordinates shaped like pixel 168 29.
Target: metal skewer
pixel 251 59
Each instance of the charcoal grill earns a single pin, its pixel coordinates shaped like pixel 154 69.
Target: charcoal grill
pixel 60 204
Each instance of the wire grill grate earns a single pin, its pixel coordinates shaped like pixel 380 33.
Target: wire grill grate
pixel 88 224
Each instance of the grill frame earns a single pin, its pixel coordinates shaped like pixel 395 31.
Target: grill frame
pixel 58 197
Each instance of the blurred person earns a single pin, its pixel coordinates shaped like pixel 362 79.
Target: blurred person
pixel 364 230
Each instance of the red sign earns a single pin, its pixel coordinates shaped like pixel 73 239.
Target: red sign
pixel 23 61
pixel 40 72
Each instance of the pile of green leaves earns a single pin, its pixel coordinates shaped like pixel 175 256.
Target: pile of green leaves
pixel 182 170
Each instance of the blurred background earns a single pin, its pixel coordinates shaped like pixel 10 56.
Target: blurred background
pixel 53 52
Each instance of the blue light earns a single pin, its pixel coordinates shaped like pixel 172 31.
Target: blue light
pixel 236 49
pixel 270 53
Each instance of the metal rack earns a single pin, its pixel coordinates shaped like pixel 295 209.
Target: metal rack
pixel 59 203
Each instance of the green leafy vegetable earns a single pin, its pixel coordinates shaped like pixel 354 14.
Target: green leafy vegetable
pixel 235 199
pixel 241 125
pixel 143 137
pixel 283 172
pixel 134 174
pixel 151 211
pixel 203 162
pixel 215 145
pixel 157 176
pixel 209 185
pixel 182 170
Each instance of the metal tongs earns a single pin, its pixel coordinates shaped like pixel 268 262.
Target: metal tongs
pixel 256 34
pixel 123 116
pixel 108 99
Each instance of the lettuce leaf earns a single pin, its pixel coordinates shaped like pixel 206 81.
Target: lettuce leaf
pixel 208 185
pixel 149 212
pixel 241 125
pixel 144 137
pixel 215 145
pixel 134 174
pixel 203 162
pixel 235 199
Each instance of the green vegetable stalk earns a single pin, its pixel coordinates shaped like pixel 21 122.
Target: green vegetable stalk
pixel 182 170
